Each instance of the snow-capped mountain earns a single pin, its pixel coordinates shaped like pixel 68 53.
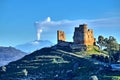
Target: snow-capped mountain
pixel 34 45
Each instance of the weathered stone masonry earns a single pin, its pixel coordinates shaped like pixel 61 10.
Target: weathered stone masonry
pixel 83 35
pixel 60 36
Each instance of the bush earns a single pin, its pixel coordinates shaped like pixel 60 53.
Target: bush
pixel 106 59
pixel 93 56
pixel 101 58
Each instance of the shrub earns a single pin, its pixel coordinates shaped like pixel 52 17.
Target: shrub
pixel 93 56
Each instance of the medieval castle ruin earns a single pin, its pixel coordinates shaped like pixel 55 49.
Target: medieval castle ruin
pixel 82 37
pixel 61 36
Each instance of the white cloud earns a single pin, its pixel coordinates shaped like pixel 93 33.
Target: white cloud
pixel 50 27
pixel 48 24
pixel 105 22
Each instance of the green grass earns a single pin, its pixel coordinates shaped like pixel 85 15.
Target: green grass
pixel 59 61
pixel 112 77
pixel 92 50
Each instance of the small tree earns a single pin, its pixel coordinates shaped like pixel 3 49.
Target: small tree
pixel 116 56
pixel 112 46
pixel 100 42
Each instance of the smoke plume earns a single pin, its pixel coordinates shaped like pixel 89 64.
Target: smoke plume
pixel 49 26
pixel 40 26
pixel 39 31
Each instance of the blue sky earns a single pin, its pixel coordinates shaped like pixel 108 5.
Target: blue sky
pixel 17 18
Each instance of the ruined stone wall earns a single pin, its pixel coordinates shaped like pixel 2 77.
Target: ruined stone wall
pixel 89 38
pixel 60 36
pixel 83 35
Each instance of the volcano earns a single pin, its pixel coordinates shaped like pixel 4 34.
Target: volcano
pixel 34 45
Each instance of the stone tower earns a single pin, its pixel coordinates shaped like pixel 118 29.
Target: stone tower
pixel 60 36
pixel 83 35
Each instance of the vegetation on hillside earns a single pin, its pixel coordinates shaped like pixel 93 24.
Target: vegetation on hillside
pixel 111 47
pixel 55 64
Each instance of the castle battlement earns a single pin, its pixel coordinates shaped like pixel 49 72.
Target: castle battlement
pixel 83 35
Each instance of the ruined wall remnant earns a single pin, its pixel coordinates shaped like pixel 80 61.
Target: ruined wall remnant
pixel 60 36
pixel 83 35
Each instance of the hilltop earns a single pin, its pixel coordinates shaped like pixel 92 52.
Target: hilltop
pixel 55 64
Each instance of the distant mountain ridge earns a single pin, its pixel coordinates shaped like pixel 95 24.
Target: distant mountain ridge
pixel 34 45
pixel 8 54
